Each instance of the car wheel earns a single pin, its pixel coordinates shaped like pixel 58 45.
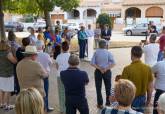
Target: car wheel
pixel 129 33
pixel 28 29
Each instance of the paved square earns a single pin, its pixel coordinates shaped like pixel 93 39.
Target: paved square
pixel 122 58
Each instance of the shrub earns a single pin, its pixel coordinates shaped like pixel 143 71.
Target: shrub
pixel 104 19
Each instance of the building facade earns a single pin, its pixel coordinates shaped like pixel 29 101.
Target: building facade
pixel 90 9
pixel 143 8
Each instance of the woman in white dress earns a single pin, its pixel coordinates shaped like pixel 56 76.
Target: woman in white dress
pixel 6 74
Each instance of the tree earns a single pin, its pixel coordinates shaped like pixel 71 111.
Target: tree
pixel 35 7
pixel 5 5
pixel 2 28
pixel 43 7
pixel 104 19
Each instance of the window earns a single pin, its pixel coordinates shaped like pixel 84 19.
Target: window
pixel 116 1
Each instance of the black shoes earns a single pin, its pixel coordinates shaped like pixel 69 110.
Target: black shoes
pixel 100 106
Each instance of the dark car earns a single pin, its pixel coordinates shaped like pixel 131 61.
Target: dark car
pixel 14 26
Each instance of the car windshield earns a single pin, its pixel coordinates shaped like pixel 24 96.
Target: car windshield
pixel 141 25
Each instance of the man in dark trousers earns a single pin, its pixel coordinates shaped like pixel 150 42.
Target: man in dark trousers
pixel 106 34
pixel 74 81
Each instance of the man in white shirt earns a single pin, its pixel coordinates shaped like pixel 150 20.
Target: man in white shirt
pixel 62 64
pixel 90 40
pixel 159 71
pixel 151 51
pixel 45 60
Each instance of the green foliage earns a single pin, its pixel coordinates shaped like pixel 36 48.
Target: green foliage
pixel 104 19
pixel 38 7
pixel 67 5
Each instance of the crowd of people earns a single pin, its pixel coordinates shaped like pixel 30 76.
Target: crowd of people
pixel 25 70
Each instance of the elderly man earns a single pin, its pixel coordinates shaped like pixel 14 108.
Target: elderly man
pixel 45 60
pixel 141 75
pixel 103 62
pixel 74 81
pixel 29 72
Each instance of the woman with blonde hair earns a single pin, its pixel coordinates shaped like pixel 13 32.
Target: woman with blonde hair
pixel 124 93
pixel 29 101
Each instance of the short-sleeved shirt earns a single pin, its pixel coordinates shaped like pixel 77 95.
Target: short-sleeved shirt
pixel 151 53
pixel 140 74
pixel 62 61
pixel 110 110
pixel 6 67
pixel 82 35
pixel 162 42
pixel 159 69
pixel 30 74
pixel 74 81
pixel 103 58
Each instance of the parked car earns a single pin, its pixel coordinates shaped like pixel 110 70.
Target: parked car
pixel 139 29
pixel 14 26
pixel 36 25
pixel 74 26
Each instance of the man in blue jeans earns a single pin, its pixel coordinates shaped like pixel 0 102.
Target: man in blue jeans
pixel 82 40
pixel 45 60
pixel 74 81
pixel 103 61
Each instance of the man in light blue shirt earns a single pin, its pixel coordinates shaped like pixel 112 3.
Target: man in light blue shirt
pixel 103 61
pixel 89 32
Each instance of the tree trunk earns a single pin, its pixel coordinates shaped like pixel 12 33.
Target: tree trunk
pixel 2 28
pixel 48 20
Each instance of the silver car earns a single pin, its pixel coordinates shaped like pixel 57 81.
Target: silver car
pixel 139 29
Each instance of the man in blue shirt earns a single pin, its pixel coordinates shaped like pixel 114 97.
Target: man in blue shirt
pixel 103 61
pixel 74 81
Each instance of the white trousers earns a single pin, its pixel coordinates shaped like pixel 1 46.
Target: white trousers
pixel 90 47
